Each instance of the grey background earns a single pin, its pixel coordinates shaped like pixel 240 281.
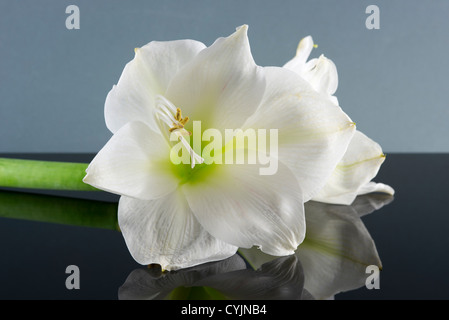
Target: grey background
pixel 53 81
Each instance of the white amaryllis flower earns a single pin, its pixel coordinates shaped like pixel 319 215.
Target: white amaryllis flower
pixel 363 159
pixel 183 215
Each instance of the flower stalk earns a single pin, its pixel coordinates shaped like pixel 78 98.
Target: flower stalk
pixel 50 175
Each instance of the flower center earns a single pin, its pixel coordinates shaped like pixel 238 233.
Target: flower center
pixel 169 114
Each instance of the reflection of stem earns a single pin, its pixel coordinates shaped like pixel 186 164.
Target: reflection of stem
pixel 18 173
pixel 78 212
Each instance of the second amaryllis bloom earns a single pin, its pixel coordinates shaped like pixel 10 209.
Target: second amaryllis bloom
pixel 361 162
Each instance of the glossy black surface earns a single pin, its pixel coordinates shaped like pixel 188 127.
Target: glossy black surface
pixel 411 234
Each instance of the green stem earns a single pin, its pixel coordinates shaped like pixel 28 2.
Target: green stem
pixel 33 174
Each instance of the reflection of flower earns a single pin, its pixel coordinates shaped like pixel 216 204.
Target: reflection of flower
pixel 337 248
pixel 337 251
pixel 362 161
pixel 280 279
pixel 153 284
pixel 179 216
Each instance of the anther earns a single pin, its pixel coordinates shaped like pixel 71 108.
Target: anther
pixel 178 114
pixel 180 122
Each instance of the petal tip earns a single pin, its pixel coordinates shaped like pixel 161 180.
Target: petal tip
pixel 242 28
pixel 389 190
pixel 307 39
pixel 351 126
pixel 89 177
pixel 306 44
pixel 240 32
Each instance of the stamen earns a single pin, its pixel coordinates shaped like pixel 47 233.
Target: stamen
pixel 173 129
pixel 172 117
pixel 180 122
pixel 184 121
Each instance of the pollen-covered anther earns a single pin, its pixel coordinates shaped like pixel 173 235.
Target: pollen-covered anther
pixel 184 121
pixel 180 122
pixel 176 127
pixel 178 115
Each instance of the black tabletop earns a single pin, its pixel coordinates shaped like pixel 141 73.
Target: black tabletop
pixel 43 233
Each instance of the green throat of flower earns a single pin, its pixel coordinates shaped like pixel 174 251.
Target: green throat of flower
pixel 185 160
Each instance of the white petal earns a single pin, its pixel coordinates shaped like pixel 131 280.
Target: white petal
pixel 352 175
pixel 135 162
pixel 238 205
pixel 164 231
pixel 303 51
pixel 221 86
pixel 313 132
pixel 147 75
pixel 322 74
pixel 336 251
